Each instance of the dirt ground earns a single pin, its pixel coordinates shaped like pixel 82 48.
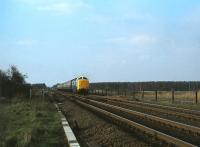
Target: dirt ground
pixel 93 131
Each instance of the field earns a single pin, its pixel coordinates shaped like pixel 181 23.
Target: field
pixel 32 123
pixel 179 96
pixel 185 99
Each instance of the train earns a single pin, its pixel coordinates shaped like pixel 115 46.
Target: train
pixel 77 85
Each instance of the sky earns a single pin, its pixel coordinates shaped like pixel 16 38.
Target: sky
pixel 113 40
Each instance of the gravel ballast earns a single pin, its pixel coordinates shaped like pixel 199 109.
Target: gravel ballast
pixel 94 131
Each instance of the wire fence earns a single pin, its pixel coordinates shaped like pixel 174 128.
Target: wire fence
pixel 158 96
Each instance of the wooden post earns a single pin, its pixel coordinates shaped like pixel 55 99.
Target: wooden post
pixel 106 92
pixel 30 93
pixel 172 95
pixel 156 95
pixel 0 89
pixel 118 90
pixel 43 93
pixel 196 96
pixel 142 93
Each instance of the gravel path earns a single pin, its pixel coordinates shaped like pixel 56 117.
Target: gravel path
pixel 93 131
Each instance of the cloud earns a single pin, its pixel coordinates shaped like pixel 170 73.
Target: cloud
pixel 192 17
pixel 56 6
pixel 142 39
pixel 63 7
pixel 98 19
pixel 26 42
pixel 138 40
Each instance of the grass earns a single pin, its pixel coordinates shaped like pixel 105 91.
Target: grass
pixel 30 124
pixel 182 99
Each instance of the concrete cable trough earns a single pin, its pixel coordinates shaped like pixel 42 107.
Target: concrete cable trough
pixel 72 141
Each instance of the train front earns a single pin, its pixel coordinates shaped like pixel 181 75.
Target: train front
pixel 82 85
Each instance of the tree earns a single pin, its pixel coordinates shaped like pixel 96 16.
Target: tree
pixel 16 76
pixel 12 82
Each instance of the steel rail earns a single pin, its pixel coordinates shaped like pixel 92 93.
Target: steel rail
pixel 186 127
pixel 159 135
pixel 182 110
pixel 160 110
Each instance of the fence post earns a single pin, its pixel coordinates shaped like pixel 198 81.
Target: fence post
pixel 134 94
pixel 196 98
pixel 106 92
pixel 30 93
pixel 43 93
pixel 118 91
pixel 156 95
pixel 0 89
pixel 142 93
pixel 172 95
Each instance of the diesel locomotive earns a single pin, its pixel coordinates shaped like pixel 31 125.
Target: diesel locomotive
pixel 76 85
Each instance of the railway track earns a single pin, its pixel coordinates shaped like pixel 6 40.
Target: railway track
pixel 170 108
pixel 169 131
pixel 181 117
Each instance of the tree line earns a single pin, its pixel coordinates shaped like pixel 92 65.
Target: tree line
pixel 148 86
pixel 12 82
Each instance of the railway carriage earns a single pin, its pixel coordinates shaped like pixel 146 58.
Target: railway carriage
pixel 76 85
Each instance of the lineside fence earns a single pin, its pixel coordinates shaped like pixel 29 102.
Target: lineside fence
pixel 172 96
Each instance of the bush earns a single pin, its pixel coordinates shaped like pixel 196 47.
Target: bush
pixel 13 82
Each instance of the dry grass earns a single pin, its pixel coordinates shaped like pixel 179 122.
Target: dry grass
pixel 166 96
pixel 30 123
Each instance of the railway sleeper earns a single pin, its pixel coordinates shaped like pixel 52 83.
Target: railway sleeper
pixel 134 130
pixel 163 140
pixel 151 110
pixel 186 135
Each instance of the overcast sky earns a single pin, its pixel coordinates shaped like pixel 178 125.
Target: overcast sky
pixel 112 40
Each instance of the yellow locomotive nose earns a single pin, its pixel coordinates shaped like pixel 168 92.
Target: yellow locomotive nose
pixel 83 84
